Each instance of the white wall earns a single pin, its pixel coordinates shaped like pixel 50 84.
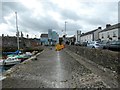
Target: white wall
pixel 96 34
pixel 0 42
pixel 86 38
pixel 110 33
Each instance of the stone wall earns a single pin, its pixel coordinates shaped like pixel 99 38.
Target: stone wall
pixel 106 58
pixel 9 41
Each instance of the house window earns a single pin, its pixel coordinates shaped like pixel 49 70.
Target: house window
pixel 102 36
pixel 114 34
pixel 118 38
pixel 108 36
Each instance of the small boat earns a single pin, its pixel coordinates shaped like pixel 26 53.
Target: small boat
pixel 29 54
pixel 22 57
pixel 15 53
pixel 11 61
pixel 1 62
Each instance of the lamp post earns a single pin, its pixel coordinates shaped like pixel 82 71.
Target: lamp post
pixel 17 31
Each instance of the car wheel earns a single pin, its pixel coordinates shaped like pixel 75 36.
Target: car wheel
pixel 104 47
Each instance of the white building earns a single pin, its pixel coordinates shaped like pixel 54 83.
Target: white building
pixel 0 43
pixel 91 35
pixel 77 36
pixel 44 39
pixel 53 37
pixel 110 33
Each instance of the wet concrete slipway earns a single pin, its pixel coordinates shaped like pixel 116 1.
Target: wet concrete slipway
pixel 55 69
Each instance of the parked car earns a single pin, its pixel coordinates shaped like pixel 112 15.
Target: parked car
pixel 93 44
pixel 103 44
pixel 113 45
pixel 77 43
pixel 11 61
pixel 83 44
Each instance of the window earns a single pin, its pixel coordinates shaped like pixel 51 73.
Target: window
pixel 102 36
pixel 108 35
pixel 118 38
pixel 110 38
pixel 114 34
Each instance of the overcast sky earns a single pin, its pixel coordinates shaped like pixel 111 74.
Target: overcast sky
pixel 37 16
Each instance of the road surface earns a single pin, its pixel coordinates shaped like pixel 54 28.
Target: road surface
pixel 53 69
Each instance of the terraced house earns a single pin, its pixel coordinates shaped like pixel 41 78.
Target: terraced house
pixel 110 33
pixel 91 35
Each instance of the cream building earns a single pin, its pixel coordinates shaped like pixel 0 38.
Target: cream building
pixel 110 33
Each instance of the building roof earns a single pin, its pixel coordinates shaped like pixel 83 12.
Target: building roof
pixel 90 32
pixel 44 35
pixel 111 27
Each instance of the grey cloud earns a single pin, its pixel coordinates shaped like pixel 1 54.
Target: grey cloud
pixel 8 7
pixel 12 7
pixel 103 13
pixel 26 20
pixel 29 23
pixel 37 23
pixel 72 26
pixel 119 11
pixel 69 14
pixel 66 13
pixel 47 5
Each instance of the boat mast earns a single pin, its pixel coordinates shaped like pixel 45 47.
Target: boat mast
pixel 17 32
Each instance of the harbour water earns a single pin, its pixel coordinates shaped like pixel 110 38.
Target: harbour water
pixel 4 68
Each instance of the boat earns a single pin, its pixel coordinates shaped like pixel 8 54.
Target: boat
pixel 1 62
pixel 14 53
pixel 11 61
pixel 21 57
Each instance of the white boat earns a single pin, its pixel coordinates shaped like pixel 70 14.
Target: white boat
pixel 1 62
pixel 11 61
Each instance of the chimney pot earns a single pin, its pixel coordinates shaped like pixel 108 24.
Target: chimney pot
pixel 99 28
pixel 108 25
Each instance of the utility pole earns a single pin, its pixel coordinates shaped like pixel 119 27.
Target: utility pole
pixel 17 32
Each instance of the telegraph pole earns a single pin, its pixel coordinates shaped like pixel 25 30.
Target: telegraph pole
pixel 17 32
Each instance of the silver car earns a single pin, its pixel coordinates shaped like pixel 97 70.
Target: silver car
pixel 93 44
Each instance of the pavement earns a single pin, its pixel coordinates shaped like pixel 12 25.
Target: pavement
pixel 53 69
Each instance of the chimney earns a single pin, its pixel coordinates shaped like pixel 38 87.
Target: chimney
pixel 108 25
pixel 99 27
pixel 2 35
